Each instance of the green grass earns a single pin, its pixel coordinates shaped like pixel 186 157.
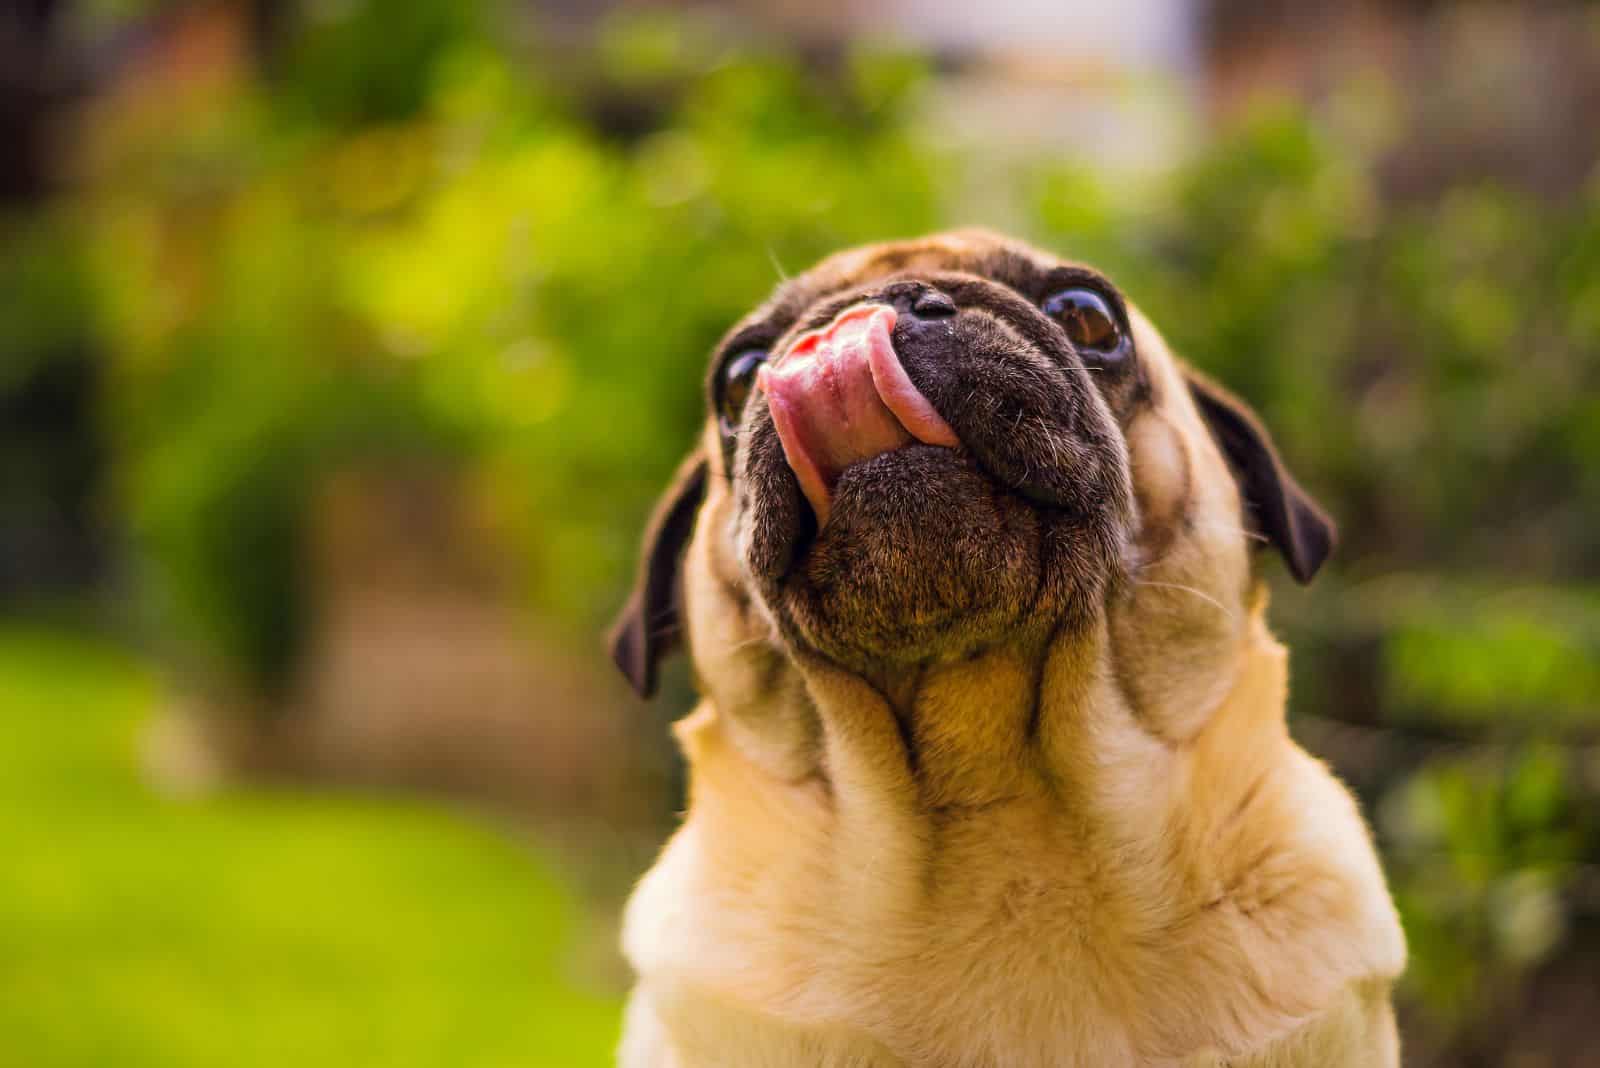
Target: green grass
pixel 256 927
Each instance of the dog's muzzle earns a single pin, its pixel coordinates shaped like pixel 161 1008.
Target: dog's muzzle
pixel 840 395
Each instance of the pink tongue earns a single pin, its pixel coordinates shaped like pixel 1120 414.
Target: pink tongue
pixel 839 396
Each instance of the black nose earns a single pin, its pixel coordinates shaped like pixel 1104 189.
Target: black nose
pixel 932 304
pixel 918 300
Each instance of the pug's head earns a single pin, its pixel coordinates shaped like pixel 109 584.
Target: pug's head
pixel 918 451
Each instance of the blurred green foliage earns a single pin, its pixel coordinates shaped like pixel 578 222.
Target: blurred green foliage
pixel 1486 846
pixel 44 290
pixel 472 244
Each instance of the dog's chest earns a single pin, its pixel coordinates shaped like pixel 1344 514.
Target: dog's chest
pixel 1038 931
pixel 1014 961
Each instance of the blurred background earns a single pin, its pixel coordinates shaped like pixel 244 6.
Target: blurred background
pixel 344 346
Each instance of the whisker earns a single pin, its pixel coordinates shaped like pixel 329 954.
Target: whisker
pixel 1204 596
pixel 739 647
pixel 783 275
pixel 1232 529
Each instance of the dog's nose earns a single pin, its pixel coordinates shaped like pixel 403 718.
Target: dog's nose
pixel 918 302
pixel 932 304
pixel 839 396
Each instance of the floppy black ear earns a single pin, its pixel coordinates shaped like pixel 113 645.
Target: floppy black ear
pixel 1279 509
pixel 650 625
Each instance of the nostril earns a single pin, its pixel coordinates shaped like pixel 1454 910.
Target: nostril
pixel 932 304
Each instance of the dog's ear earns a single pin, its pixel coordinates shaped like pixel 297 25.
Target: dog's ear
pixel 1277 507
pixel 650 625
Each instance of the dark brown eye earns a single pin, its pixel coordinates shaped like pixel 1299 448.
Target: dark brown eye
pixel 738 379
pixel 1087 319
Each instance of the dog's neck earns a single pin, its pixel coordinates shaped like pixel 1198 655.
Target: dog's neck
pixel 974 732
pixel 962 722
pixel 1048 720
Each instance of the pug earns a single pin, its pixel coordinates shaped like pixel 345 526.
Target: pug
pixel 990 766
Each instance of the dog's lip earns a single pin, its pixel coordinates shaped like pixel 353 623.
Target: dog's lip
pixel 840 395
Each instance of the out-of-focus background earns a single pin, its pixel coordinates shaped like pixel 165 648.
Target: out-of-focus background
pixel 344 345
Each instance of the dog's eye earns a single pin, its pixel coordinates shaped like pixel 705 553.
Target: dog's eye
pixel 738 377
pixel 1087 319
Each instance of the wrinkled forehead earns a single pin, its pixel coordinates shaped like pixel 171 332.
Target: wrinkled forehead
pixel 979 252
pixel 1027 270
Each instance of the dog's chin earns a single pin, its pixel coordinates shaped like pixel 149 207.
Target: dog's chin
pixel 923 556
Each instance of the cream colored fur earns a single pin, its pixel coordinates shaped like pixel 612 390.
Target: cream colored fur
pixel 1157 876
